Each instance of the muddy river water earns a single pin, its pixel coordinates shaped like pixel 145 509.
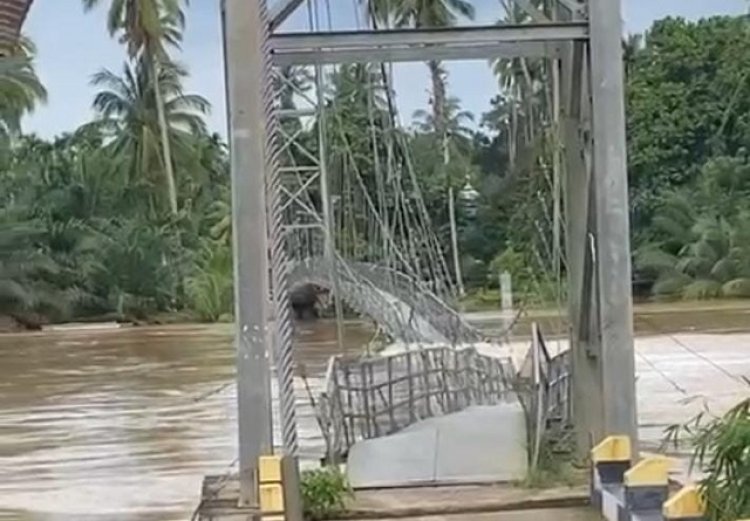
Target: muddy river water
pixel 123 424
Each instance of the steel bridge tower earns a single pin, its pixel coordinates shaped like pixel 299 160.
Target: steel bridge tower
pixel 582 41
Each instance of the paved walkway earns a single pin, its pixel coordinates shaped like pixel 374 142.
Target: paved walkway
pixel 471 502
pixel 556 514
pixel 679 375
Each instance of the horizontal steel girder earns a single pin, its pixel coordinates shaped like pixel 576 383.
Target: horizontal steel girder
pixel 456 43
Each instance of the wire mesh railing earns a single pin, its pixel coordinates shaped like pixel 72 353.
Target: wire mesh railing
pixel 407 310
pixel 423 301
pixel 369 397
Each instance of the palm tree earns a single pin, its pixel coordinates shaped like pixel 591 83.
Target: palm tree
pixel 429 14
pixel 432 13
pixel 520 82
pixel 147 27
pixel 696 254
pixel 128 117
pixel 456 120
pixel 20 88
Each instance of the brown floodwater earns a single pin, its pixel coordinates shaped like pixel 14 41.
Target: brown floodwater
pixel 123 424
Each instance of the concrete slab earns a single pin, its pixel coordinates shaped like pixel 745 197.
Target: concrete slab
pixel 552 514
pixel 405 458
pixel 482 444
pixel 479 444
pixel 470 502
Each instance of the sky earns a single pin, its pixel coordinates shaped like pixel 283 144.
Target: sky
pixel 73 45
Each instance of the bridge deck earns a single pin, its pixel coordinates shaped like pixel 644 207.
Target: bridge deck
pixel 478 445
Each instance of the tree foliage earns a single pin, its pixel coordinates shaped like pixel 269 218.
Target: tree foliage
pixel 90 225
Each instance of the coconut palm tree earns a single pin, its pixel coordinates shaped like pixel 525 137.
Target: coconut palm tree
pixel 425 14
pixel 147 27
pixel 429 14
pixel 522 84
pixel 128 117
pixel 456 119
pixel 20 88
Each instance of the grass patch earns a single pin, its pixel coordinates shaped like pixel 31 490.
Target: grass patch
pixel 325 493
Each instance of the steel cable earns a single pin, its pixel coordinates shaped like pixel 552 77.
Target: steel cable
pixel 282 327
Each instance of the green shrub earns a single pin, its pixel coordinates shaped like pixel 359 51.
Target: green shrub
pixel 209 287
pixel 721 449
pixel 325 493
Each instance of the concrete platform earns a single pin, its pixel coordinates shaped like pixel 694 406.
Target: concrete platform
pixel 502 501
pixel 478 445
pixel 553 514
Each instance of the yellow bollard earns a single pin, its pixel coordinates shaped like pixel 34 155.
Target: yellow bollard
pixel 685 504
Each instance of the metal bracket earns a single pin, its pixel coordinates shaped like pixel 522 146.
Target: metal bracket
pixel 537 15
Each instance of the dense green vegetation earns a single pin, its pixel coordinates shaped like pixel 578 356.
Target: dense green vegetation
pixel 107 220
pixel 128 216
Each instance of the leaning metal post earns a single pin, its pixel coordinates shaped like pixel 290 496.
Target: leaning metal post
pixel 245 43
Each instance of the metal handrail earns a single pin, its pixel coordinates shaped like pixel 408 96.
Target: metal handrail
pixel 365 287
pixel 441 316
pixel 376 396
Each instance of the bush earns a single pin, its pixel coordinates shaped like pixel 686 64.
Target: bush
pixel 324 493
pixel 209 288
pixel 721 449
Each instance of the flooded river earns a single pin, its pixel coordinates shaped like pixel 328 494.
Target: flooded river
pixel 123 424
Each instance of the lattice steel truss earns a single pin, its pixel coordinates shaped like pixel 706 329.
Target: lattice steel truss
pixel 582 41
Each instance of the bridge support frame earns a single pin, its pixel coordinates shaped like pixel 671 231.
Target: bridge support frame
pixel 596 202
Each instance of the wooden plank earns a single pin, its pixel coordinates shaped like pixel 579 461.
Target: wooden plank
pixel 365 401
pixel 409 369
pixel 445 376
pixel 337 417
pixel 349 405
pixel 458 381
pixel 426 381
pixel 374 401
pixel 391 414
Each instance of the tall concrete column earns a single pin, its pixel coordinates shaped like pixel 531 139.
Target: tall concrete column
pixel 612 226
pixel 244 36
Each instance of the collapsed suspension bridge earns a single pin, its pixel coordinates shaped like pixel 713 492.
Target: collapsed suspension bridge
pixel 350 215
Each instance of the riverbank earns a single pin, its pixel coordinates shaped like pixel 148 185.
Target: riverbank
pixel 650 318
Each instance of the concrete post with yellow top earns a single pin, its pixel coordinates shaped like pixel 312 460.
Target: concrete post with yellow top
pixel 636 493
pixel 279 488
